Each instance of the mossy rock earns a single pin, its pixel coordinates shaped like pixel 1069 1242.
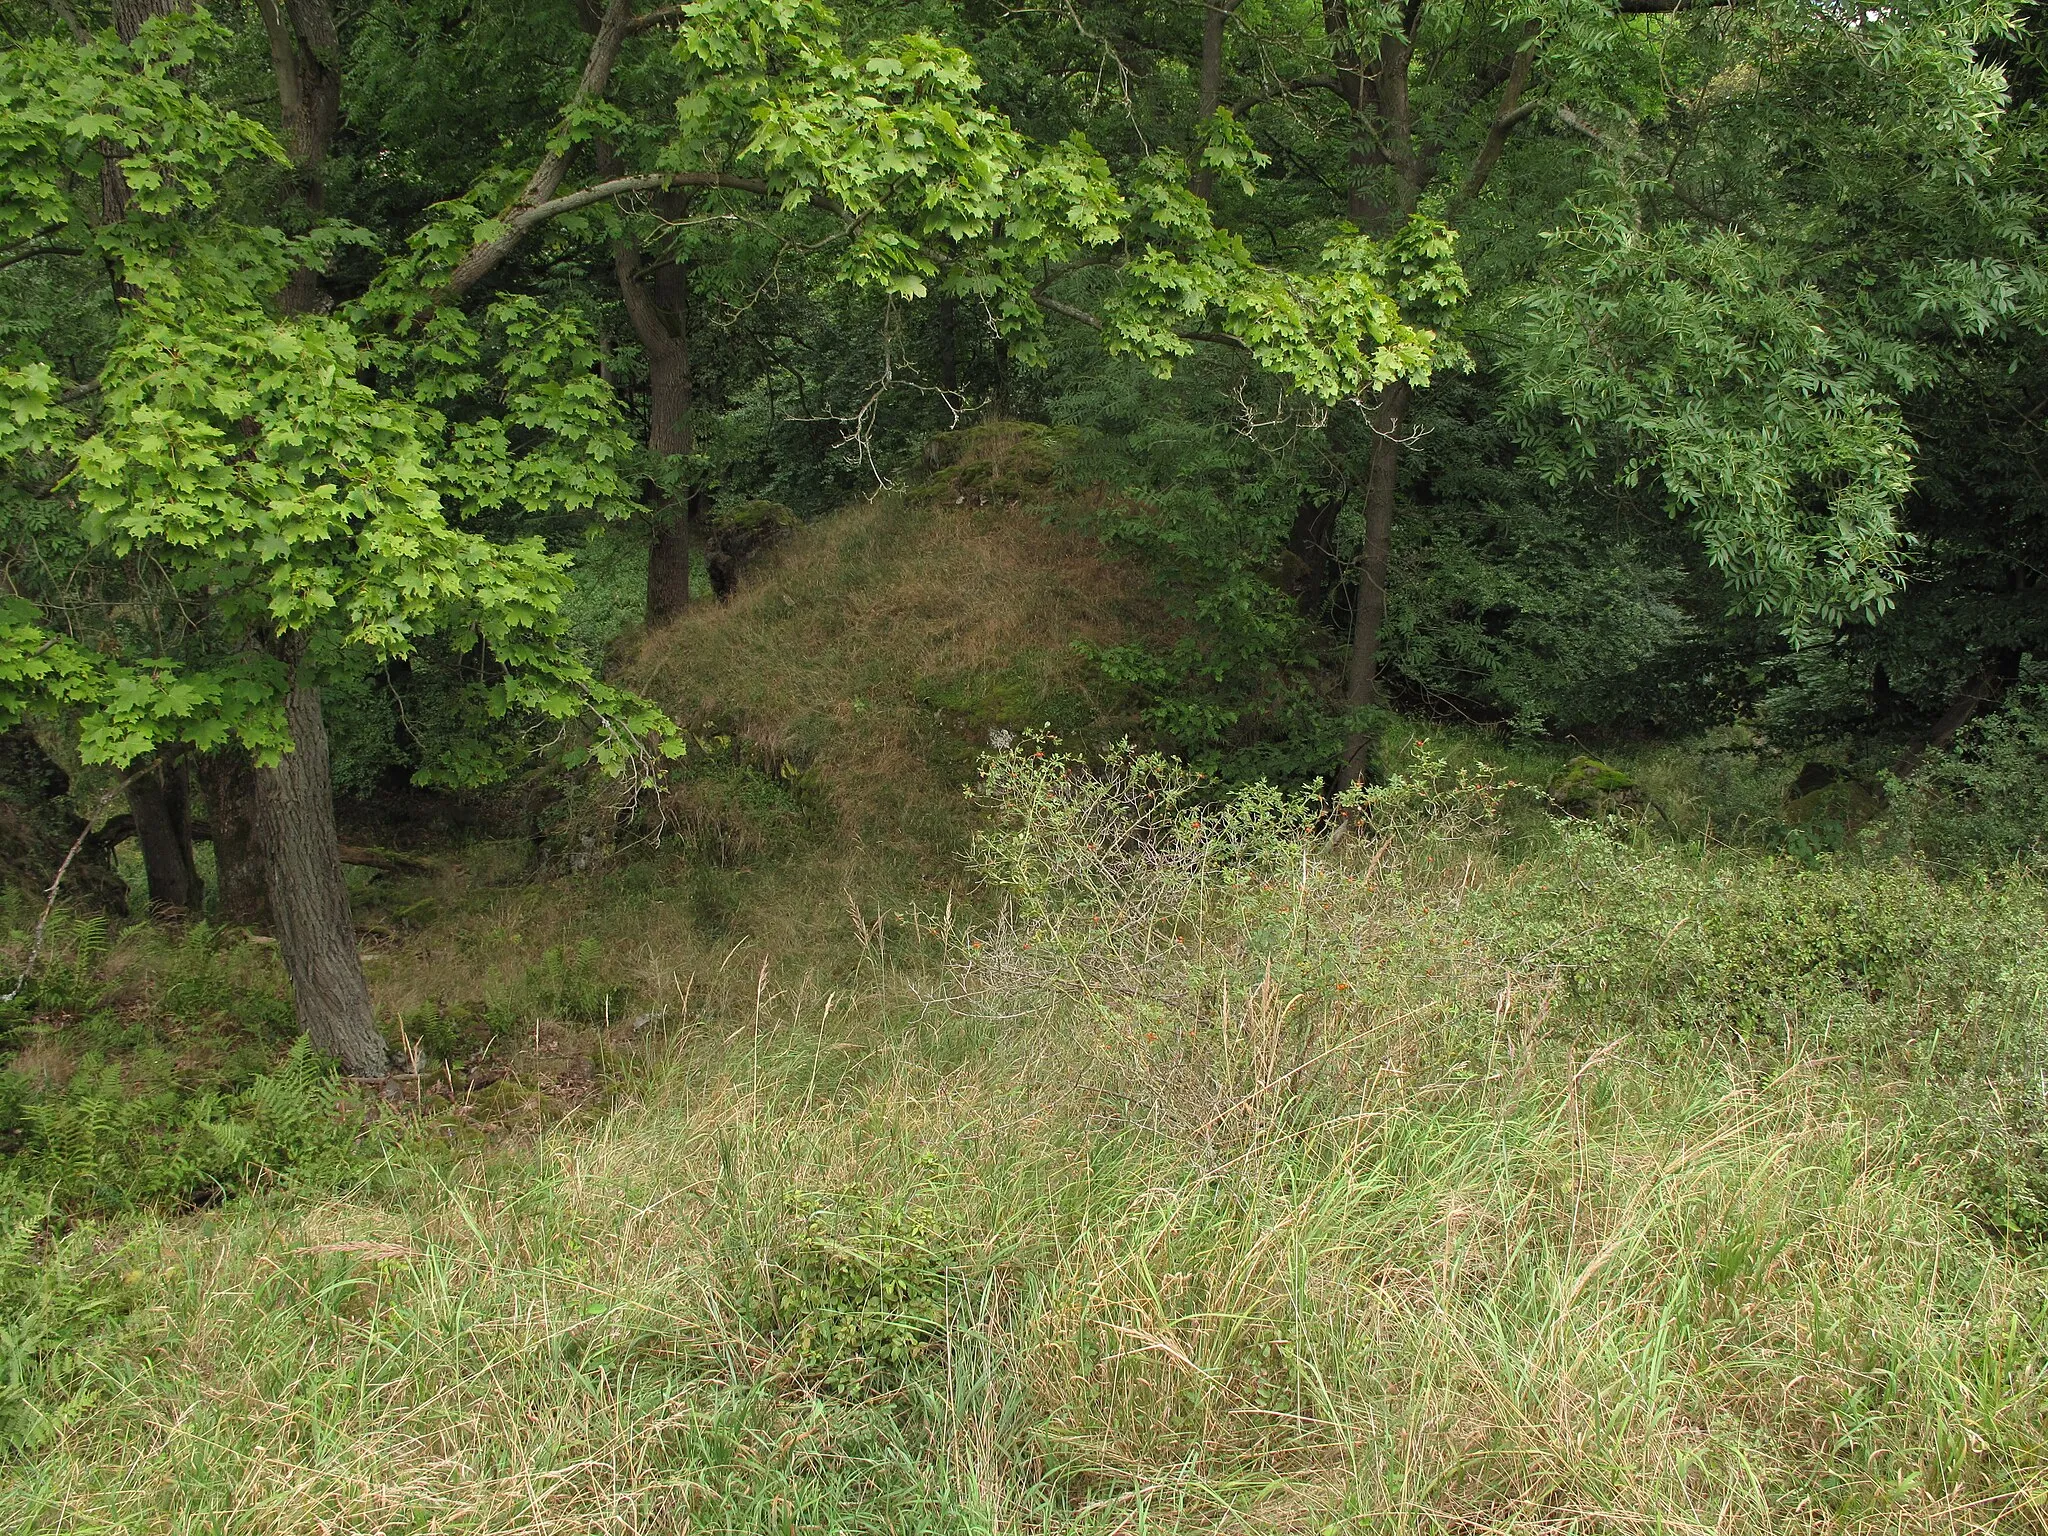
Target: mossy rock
pixel 753 519
pixel 1585 786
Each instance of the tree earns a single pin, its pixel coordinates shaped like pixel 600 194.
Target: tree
pixel 300 512
pixel 1650 314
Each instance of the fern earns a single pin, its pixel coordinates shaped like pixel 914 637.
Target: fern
pixel 59 1303
pixel 97 1148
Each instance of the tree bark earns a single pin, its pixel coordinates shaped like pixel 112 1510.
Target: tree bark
pixel 160 800
pixel 129 17
pixel 1215 13
pixel 949 344
pixel 305 56
pixel 1311 542
pixel 227 778
pixel 1354 90
pixel 657 298
pixel 309 894
pixel 1382 480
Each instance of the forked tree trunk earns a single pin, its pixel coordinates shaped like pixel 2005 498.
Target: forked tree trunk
pixel 309 894
pixel 160 800
pixel 227 778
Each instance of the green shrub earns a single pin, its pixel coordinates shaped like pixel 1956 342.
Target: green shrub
pixel 65 980
pixel 206 975
pixel 566 984
pixel 1655 934
pixel 1984 802
pixel 454 1033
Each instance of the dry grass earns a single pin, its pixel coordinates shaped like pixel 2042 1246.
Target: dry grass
pixel 1304 1217
pixel 874 652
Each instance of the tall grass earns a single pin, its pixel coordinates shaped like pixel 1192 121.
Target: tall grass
pixel 1250 1171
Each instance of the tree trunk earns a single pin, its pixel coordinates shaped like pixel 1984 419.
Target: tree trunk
pixel 949 344
pixel 657 302
pixel 309 894
pixel 160 800
pixel 1311 543
pixel 1382 480
pixel 129 17
pixel 227 778
pixel 1976 694
pixel 305 56
pixel 1210 89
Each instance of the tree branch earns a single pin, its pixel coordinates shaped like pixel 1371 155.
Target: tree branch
pixel 1059 307
pixel 653 19
pixel 1046 301
pixel 554 164
pixel 517 226
pixel 119 829
pixel 1512 110
pixel 46 250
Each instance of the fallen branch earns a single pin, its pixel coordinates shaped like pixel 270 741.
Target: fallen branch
pixel 120 828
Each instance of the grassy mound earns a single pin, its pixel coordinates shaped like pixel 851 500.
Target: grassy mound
pixel 837 707
pixel 863 666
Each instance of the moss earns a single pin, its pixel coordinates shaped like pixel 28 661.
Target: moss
pixel 1585 786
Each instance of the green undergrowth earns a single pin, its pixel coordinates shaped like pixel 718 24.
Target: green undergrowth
pixel 157 1069
pixel 1247 1167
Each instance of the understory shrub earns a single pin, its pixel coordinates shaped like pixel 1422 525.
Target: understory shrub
pixel 1644 934
pixel 856 1295
pixel 1983 803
